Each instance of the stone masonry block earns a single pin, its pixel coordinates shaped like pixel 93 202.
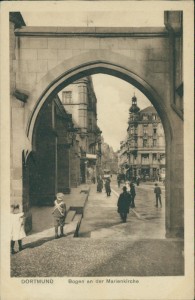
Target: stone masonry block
pixel 26 78
pixel 64 54
pixel 17 173
pixel 52 63
pixel 47 53
pixel 17 185
pixel 75 43
pixel 110 43
pixel 160 43
pixel 92 43
pixel 56 43
pixel 160 67
pixel 40 76
pixel 24 42
pixel 33 43
pixel 144 43
pixel 76 52
pixel 141 55
pixel 20 66
pixel 127 43
pixel 159 54
pixel 123 52
pixel 37 66
pixel 27 54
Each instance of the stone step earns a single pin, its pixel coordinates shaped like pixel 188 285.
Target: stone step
pixel 70 216
pixel 72 228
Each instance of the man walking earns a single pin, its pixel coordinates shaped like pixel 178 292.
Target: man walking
pixel 123 204
pixel 157 191
pixel 133 194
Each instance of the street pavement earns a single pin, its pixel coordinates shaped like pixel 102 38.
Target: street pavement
pixel 101 219
pixel 106 246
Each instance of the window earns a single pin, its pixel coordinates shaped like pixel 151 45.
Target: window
pixel 154 117
pixel 144 143
pixel 67 97
pixel 145 158
pixel 154 143
pixel 145 117
pixel 154 130
pixel 145 130
pixel 154 156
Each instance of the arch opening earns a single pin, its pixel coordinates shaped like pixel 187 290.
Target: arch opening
pixel 69 77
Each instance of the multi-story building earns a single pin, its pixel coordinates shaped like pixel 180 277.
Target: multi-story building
pixel 109 158
pixel 80 101
pixel 143 151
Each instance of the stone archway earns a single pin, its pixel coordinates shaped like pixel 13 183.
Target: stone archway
pixel 105 62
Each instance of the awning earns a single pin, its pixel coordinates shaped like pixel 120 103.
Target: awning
pixel 91 156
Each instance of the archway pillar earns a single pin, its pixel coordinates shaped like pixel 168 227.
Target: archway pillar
pixel 175 184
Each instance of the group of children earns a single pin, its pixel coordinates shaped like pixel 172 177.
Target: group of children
pixel 17 222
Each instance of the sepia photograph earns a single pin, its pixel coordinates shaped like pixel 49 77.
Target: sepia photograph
pixel 98 195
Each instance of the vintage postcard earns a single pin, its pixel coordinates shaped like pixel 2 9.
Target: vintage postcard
pixel 97 101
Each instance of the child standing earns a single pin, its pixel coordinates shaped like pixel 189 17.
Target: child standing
pixel 59 215
pixel 17 227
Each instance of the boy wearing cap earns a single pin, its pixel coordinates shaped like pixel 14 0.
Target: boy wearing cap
pixel 59 214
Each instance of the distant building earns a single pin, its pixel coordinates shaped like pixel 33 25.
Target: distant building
pixel 109 158
pixel 143 151
pixel 80 101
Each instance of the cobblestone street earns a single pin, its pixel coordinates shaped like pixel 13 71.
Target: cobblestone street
pixel 105 246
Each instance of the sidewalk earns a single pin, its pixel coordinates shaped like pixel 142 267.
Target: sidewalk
pixel 42 219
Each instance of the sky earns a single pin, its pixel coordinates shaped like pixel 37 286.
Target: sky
pixel 114 98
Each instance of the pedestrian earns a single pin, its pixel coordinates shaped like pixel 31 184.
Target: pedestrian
pixel 123 204
pixel 138 180
pixel 157 191
pixel 99 184
pixel 119 180
pixel 17 227
pixel 59 214
pixel 107 187
pixel 133 194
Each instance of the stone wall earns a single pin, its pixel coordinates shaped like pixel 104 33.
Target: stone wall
pixel 139 56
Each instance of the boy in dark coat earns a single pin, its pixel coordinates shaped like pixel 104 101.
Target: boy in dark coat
pixel 59 214
pixel 123 204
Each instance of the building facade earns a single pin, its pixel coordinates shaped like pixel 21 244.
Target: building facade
pixel 79 100
pixel 142 153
